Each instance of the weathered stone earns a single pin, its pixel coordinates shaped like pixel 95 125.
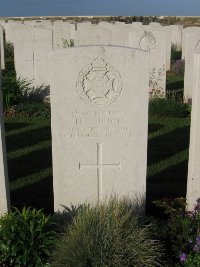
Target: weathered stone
pixel 192 43
pixel 193 185
pixel 32 55
pixel 4 185
pixel 153 41
pixel 2 56
pixel 96 104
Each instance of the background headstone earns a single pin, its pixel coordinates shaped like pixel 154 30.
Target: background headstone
pixel 153 41
pixel 2 56
pixel 4 187
pixel 99 122
pixel 32 56
pixel 90 34
pixel 193 182
pixel 152 27
pixel 176 36
pixel 184 32
pixel 192 43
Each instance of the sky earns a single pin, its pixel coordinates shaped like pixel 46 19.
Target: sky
pixel 16 8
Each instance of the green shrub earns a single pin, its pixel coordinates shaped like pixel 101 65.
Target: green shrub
pixel 111 233
pixel 182 231
pixel 168 107
pixel 9 50
pixel 25 238
pixel 12 89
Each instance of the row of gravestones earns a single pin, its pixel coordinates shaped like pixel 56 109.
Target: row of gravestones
pixel 99 122
pixel 33 41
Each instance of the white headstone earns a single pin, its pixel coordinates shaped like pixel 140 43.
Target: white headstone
pixel 176 36
pixel 192 44
pixel 10 31
pixel 61 34
pixel 99 122
pixel 156 24
pixel 168 40
pixel 91 34
pixel 193 184
pixel 4 187
pixel 153 41
pixel 32 55
pixel 2 56
pixel 185 31
pixel 137 24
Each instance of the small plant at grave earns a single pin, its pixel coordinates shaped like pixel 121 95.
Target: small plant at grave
pixel 168 107
pixel 178 67
pixel 9 50
pixel 156 77
pixel 182 231
pixel 176 95
pixel 175 52
pixel 67 43
pixel 66 217
pixel 12 89
pixel 26 238
pixel 110 233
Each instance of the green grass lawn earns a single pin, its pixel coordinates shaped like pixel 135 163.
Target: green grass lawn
pixel 30 160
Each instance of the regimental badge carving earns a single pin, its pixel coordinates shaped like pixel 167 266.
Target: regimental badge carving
pixel 148 41
pixel 99 83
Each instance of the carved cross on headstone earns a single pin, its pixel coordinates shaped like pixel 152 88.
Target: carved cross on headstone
pixel 34 61
pixel 99 167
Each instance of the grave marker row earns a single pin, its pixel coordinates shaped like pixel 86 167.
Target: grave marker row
pixel 4 188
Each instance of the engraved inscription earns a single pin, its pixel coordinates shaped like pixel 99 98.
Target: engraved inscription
pixel 98 124
pixel 99 83
pixel 99 167
pixel 148 41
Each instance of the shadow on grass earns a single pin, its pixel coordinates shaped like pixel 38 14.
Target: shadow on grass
pixel 164 146
pixel 15 126
pixel 174 85
pixel 171 182
pixel 28 138
pixel 29 164
pixel 38 195
pixel 154 127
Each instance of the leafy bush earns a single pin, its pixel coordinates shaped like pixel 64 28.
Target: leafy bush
pixel 111 233
pixel 9 50
pixel 12 89
pixel 183 230
pixel 25 238
pixel 168 107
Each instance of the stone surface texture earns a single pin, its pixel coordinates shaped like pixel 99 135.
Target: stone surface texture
pixel 2 56
pixel 99 122
pixel 193 184
pixel 32 55
pixel 192 43
pixel 4 187
pixel 153 41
